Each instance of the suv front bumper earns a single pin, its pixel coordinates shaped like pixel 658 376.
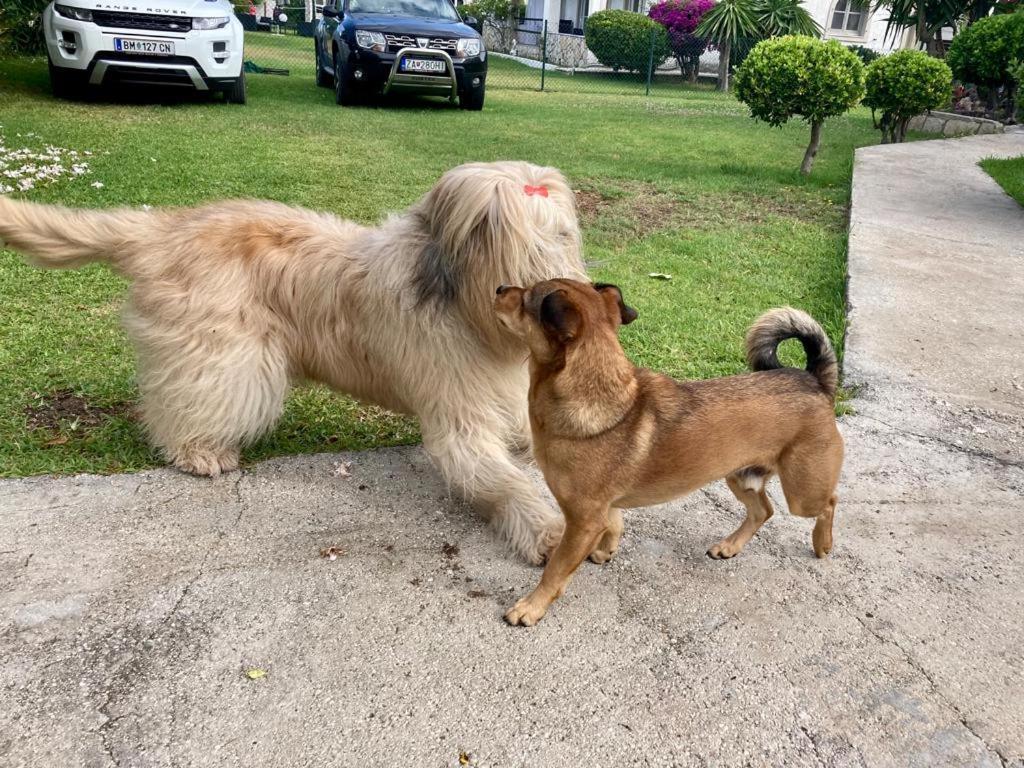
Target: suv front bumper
pixel 203 59
pixel 380 71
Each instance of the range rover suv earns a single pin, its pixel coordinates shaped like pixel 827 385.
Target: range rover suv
pixel 192 43
pixel 390 46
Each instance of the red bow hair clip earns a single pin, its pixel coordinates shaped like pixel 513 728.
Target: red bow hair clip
pixel 542 191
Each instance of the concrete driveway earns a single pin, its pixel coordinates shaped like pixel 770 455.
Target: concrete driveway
pixel 156 619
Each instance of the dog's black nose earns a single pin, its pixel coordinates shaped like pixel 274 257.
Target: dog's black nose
pixel 501 289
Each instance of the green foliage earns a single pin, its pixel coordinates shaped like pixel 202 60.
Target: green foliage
pixel 21 26
pixel 1016 71
pixel 982 53
pixel 622 40
pixel 904 84
pixel 865 54
pixel 799 76
pixel 493 10
pixel 729 21
pixel 785 17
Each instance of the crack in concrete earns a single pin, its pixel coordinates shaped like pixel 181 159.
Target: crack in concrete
pixel 920 669
pixel 133 659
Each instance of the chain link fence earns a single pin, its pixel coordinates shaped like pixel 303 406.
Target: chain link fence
pixel 523 54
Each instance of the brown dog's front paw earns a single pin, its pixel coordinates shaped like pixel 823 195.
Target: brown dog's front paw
pixel 723 550
pixel 526 612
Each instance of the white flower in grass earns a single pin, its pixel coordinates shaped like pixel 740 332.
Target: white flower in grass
pixel 97 185
pixel 26 184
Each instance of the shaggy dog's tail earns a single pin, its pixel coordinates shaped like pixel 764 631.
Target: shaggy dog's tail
pixel 57 237
pixel 777 325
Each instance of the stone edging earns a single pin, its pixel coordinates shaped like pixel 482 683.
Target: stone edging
pixel 951 124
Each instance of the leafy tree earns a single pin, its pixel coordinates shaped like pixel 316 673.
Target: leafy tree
pixel 984 53
pixel 800 76
pixel 21 26
pixel 785 17
pixel 902 85
pixel 623 39
pixel 680 18
pixel 729 22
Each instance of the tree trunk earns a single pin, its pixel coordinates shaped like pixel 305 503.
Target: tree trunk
pixel 812 149
pixel 723 66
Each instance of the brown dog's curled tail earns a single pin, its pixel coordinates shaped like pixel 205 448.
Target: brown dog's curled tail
pixel 57 237
pixel 777 325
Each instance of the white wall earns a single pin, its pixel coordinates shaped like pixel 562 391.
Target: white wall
pixel 871 36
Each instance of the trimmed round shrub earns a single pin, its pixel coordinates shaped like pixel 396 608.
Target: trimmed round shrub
pixel 680 18
pixel 799 76
pixel 904 84
pixel 982 53
pixel 622 40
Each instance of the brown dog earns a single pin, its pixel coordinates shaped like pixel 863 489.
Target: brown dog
pixel 609 435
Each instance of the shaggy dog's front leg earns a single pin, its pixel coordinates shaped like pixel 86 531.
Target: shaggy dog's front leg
pixel 478 464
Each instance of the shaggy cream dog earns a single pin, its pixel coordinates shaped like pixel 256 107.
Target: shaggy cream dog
pixel 232 302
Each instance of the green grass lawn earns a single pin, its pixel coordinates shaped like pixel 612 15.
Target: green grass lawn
pixel 684 183
pixel 1009 174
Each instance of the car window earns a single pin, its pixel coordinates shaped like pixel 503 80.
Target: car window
pixel 429 9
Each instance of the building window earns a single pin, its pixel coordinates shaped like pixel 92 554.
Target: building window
pixel 848 17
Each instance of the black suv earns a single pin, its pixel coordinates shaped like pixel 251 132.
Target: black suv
pixel 413 46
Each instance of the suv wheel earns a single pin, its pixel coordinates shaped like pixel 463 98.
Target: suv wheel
pixel 323 79
pixel 472 99
pixel 62 83
pixel 344 92
pixel 235 93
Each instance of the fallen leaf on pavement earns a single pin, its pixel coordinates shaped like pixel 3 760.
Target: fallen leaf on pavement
pixel 331 553
pixel 255 673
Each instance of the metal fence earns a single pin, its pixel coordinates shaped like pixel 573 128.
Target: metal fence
pixel 524 55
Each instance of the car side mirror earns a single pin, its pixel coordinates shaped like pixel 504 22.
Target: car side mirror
pixel 330 11
pixel 473 22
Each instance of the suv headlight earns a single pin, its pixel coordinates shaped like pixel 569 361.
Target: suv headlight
pixel 373 41
pixel 209 22
pixel 469 47
pixel 69 12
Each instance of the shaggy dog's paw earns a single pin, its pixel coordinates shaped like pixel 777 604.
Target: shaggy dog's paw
pixel 601 556
pixel 526 612
pixel 723 550
pixel 547 539
pixel 206 463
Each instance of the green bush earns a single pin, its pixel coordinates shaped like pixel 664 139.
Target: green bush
pixel 21 26
pixel 865 54
pixel 982 53
pixel 904 84
pixel 799 76
pixel 622 40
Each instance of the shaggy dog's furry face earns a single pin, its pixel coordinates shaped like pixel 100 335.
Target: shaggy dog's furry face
pixel 232 302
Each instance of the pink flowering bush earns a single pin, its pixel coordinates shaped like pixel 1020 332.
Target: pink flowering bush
pixel 680 18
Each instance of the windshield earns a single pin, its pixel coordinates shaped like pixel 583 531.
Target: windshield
pixel 426 9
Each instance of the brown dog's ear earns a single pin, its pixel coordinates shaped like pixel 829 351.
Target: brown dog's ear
pixel 626 314
pixel 560 316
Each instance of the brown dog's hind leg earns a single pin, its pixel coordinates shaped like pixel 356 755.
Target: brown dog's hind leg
pixel 583 528
pixel 748 487
pixel 809 476
pixel 609 543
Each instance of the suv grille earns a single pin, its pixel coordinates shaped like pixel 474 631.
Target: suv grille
pixel 142 21
pixel 397 42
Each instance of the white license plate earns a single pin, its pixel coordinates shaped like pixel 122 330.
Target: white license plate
pixel 152 47
pixel 423 65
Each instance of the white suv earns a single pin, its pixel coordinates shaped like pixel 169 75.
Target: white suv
pixel 191 43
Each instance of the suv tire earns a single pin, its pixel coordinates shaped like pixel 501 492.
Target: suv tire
pixel 62 83
pixel 323 79
pixel 472 99
pixel 235 93
pixel 344 92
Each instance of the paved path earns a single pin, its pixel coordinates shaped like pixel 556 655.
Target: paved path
pixel 132 606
